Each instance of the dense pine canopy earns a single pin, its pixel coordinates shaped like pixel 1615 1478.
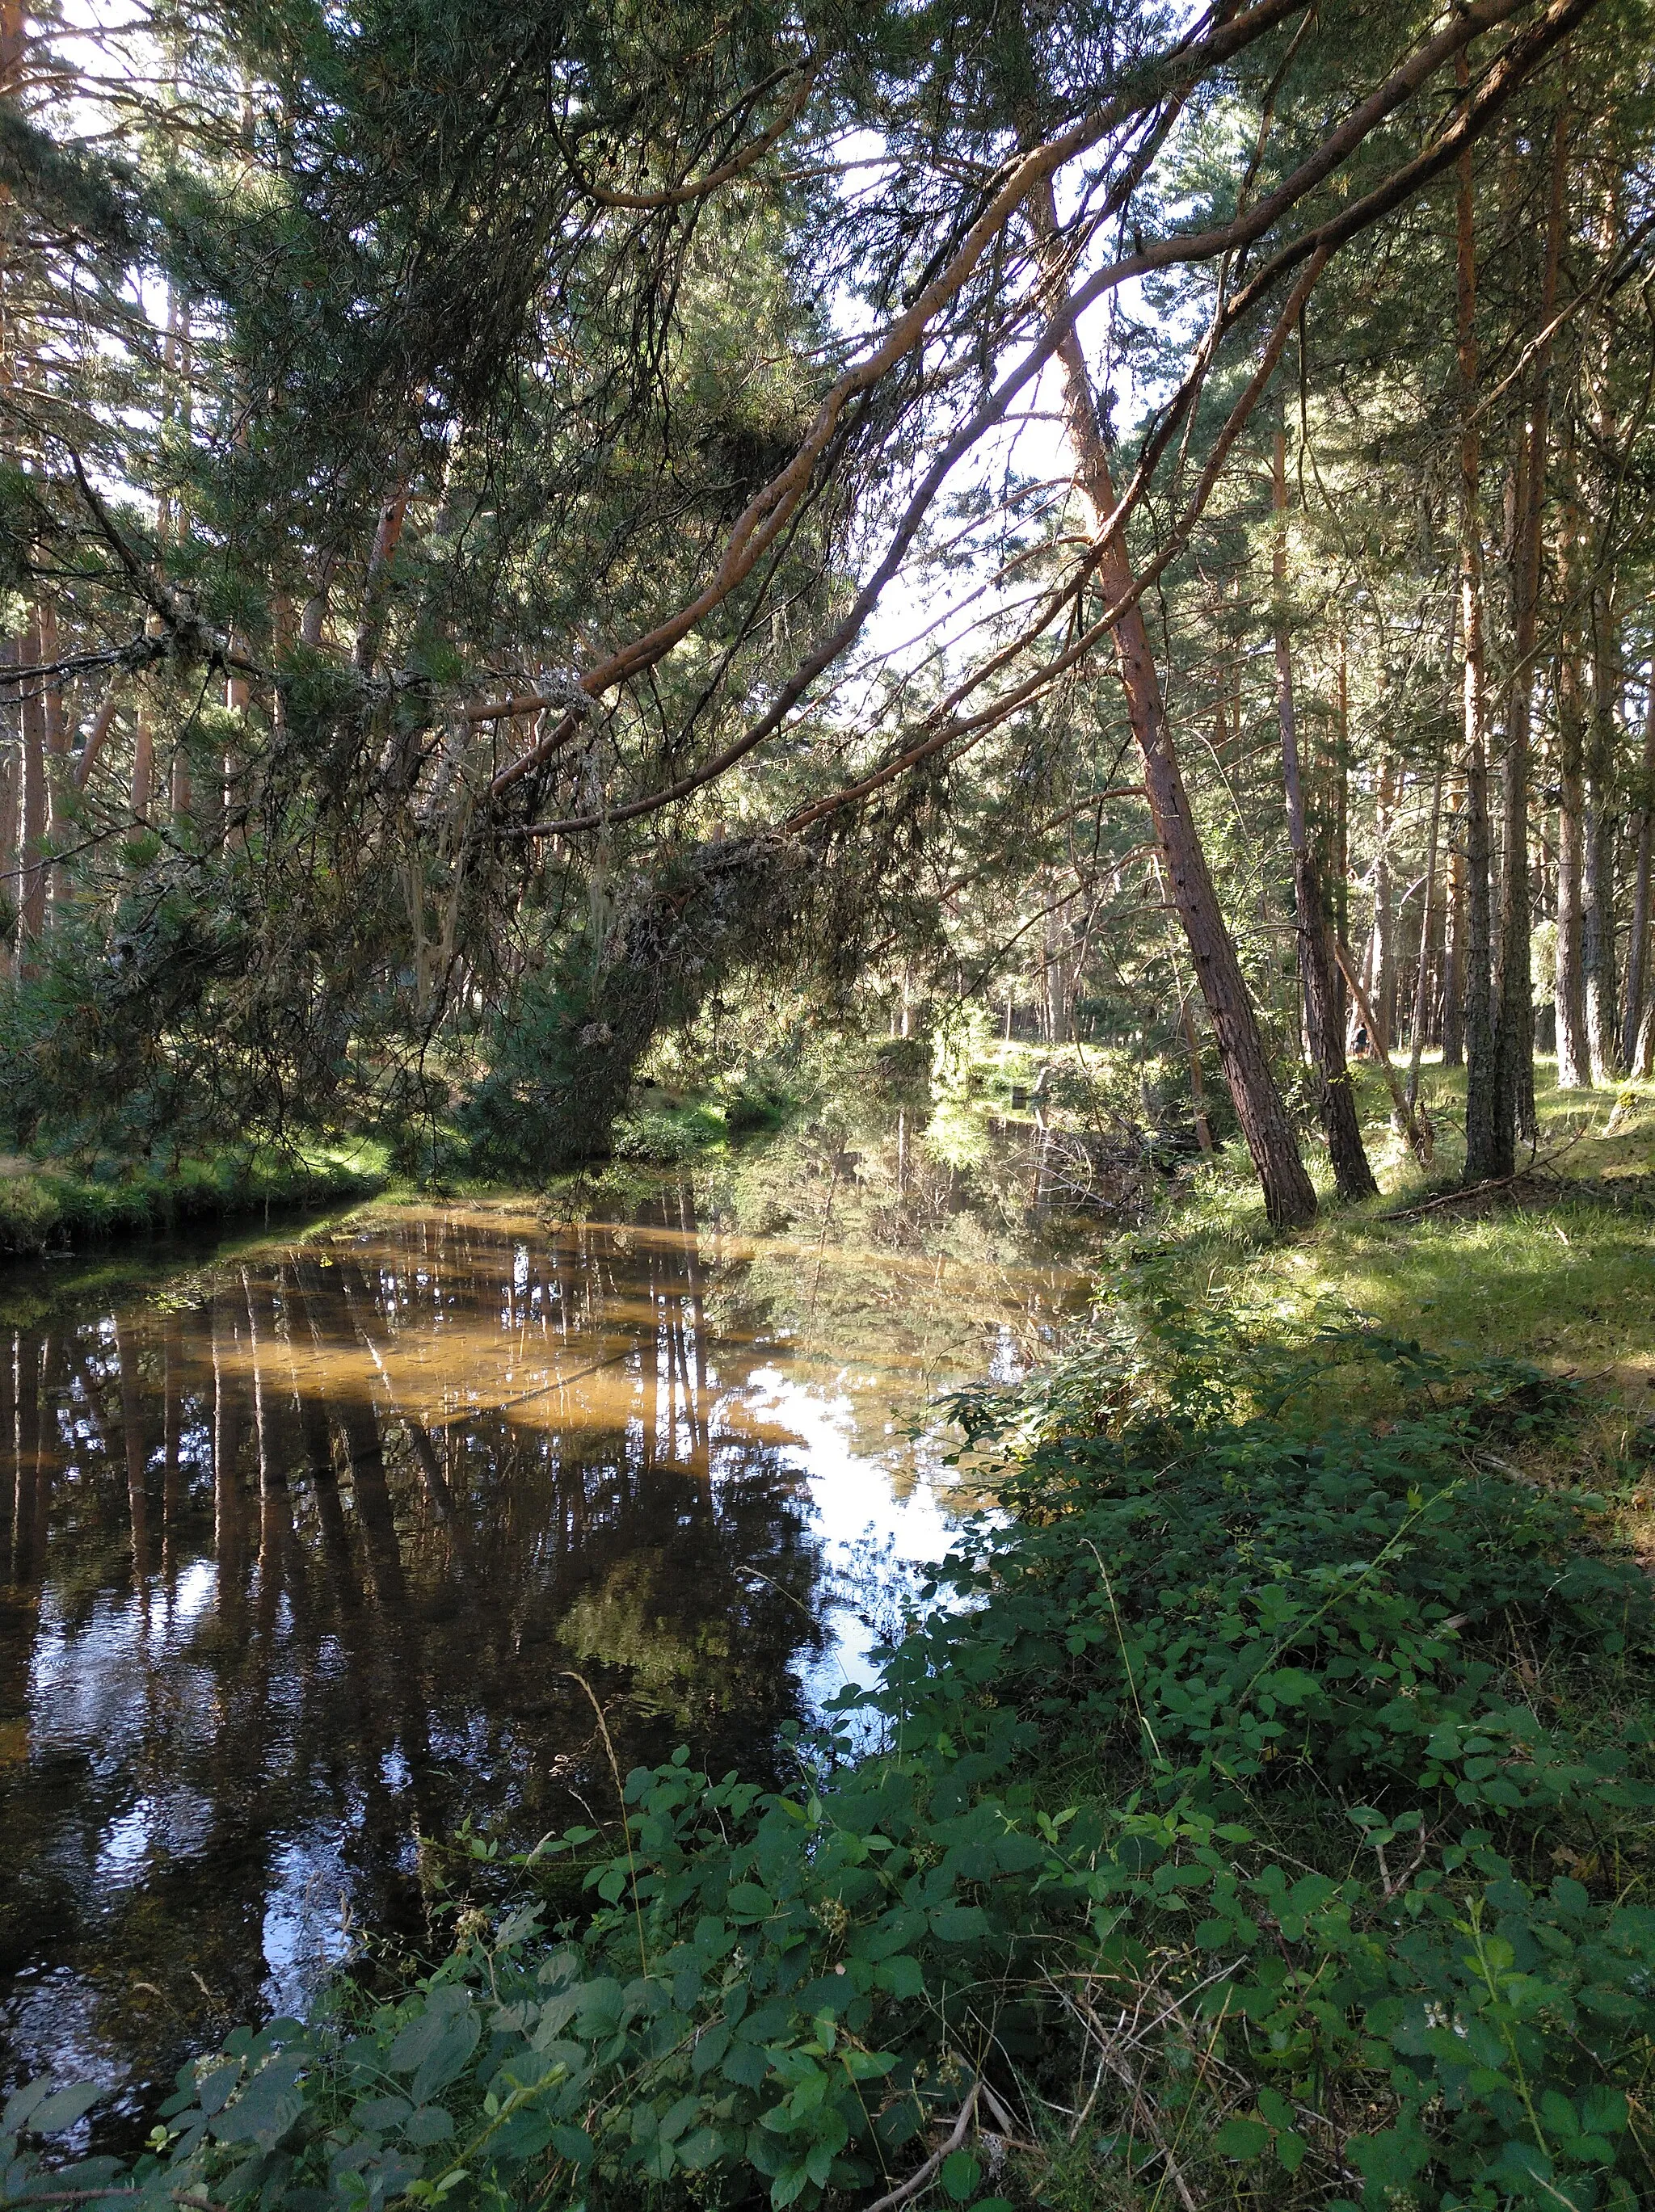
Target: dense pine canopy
pixel 528 528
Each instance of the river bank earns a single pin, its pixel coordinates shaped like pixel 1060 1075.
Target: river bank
pixel 678 1426
pixel 1259 1811
pixel 1266 1821
pixel 46 1205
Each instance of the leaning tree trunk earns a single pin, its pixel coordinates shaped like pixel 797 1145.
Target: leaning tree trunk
pixel 1289 1194
pixel 1336 1100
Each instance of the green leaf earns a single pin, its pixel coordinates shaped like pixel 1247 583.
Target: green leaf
pixel 447 2060
pixel 1274 2107
pixel 416 2041
pixel 697 2151
pixel 22 2102
pixel 901 1976
pixel 574 2144
pixel 213 2093
pixel 961 2172
pixel 792 2182
pixel 1242 2138
pixel 958 1923
pixel 65 2107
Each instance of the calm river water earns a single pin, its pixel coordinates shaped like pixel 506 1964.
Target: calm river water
pixel 303 1538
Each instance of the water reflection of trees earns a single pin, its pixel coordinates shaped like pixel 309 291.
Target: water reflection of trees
pixel 891 1260
pixel 297 1572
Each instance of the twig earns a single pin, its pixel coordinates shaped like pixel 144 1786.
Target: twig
pixel 107 2195
pixel 917 2179
pixel 1143 2112
pixel 1532 1166
pixel 1415 1126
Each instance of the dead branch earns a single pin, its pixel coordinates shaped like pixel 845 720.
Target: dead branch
pixel 918 2180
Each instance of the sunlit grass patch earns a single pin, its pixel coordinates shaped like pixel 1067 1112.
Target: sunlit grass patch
pixel 43 1203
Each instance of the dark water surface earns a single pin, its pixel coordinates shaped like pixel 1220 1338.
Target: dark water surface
pixel 303 1539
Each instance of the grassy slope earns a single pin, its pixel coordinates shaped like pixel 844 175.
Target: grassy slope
pixel 1558 1269
pixel 1555 1269
pixel 43 1204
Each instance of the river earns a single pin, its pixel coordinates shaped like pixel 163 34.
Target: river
pixel 316 1542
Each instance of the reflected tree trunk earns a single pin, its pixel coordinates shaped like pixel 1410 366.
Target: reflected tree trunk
pixel 171 1418
pixel 316 1439
pixel 228 1519
pixel 276 1536
pixel 9 1433
pixel 132 1401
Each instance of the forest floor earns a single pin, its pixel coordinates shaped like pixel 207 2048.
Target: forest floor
pixel 1557 1266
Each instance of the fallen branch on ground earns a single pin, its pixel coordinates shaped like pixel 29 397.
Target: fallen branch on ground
pixel 918 2180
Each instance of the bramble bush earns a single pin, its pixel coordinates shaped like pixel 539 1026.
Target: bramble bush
pixel 1261 1819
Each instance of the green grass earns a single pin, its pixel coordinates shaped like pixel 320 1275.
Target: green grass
pixel 1555 1269
pixel 44 1205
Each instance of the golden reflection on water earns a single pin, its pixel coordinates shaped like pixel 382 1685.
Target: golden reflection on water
pixel 301 1543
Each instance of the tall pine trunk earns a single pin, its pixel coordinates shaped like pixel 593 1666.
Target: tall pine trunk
pixel 1385 911
pixel 1335 1103
pixel 1429 918
pixel 1453 954
pixel 1574 1056
pixel 1514 1031
pixel 32 874
pixel 1632 1035
pixel 1597 932
pixel 1482 1153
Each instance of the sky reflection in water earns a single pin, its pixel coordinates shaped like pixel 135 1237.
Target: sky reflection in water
pixel 300 1546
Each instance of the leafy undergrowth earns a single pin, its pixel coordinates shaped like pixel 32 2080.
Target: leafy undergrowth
pixel 1263 1819
pixel 44 1205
